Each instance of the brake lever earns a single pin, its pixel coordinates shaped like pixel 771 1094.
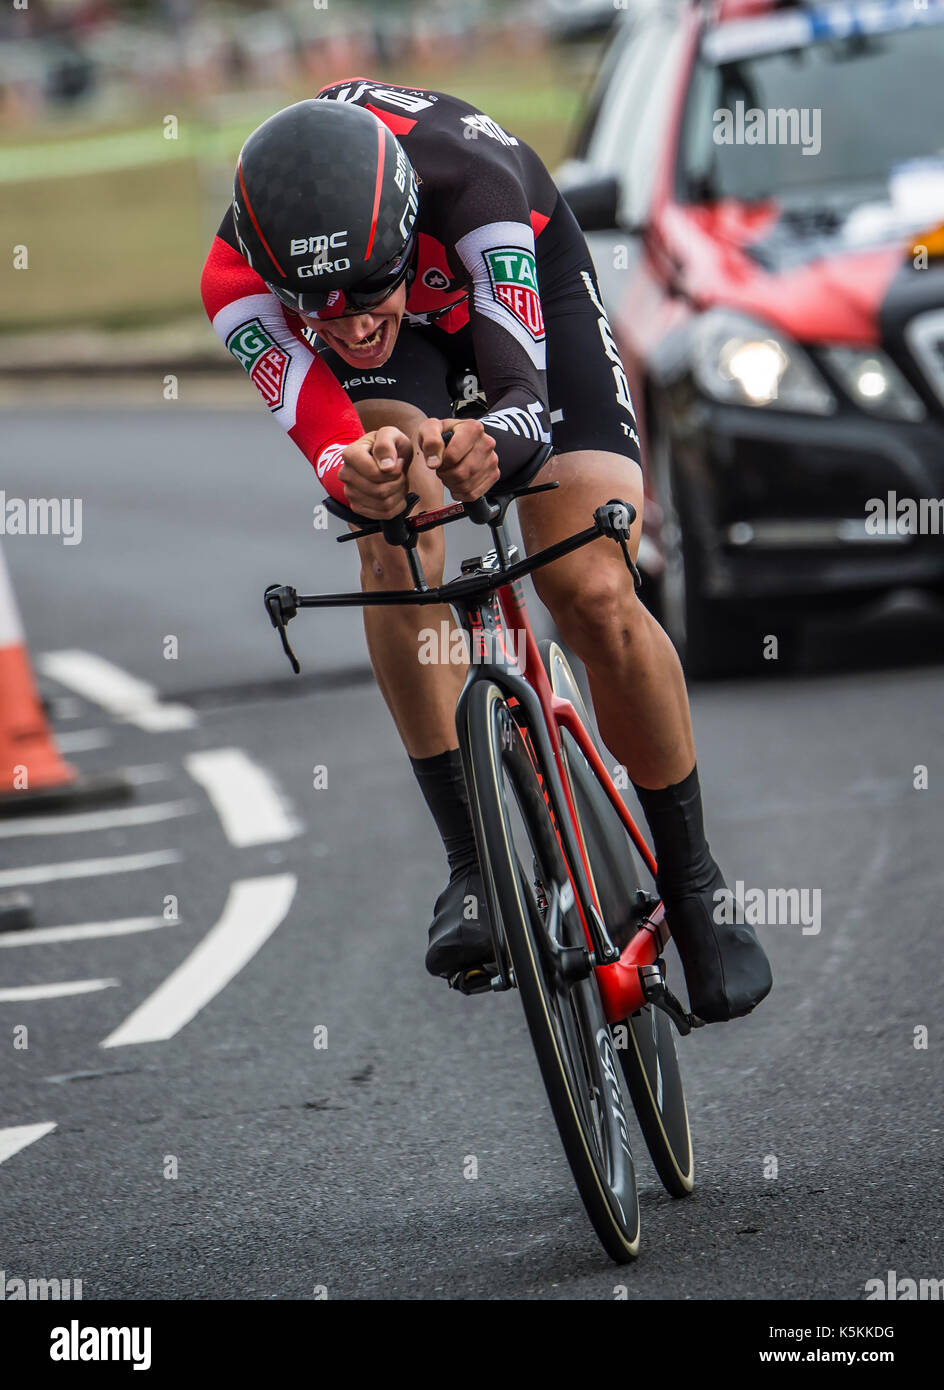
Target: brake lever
pixel 281 602
pixel 614 519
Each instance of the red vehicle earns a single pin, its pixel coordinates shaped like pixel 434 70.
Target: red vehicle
pixel 761 184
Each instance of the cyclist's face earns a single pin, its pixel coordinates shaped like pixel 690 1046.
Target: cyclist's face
pixel 366 338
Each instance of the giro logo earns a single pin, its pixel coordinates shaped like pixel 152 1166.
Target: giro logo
pixel 306 272
pixel 513 274
pixel 412 206
pixel 263 359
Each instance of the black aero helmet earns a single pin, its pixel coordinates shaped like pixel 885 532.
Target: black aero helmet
pixel 324 202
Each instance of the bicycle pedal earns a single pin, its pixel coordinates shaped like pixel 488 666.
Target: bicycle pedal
pixel 477 980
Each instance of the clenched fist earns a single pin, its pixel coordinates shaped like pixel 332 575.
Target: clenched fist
pixel 468 466
pixel 374 472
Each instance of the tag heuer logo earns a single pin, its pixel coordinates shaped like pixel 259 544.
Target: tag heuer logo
pixel 263 359
pixel 515 283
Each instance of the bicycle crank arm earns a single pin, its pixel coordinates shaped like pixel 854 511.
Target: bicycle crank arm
pixel 657 992
pixel 572 963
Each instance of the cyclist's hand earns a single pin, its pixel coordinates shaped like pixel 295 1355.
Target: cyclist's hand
pixel 374 472
pixel 469 465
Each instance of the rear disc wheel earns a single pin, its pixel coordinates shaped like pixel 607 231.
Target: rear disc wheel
pixel 645 1042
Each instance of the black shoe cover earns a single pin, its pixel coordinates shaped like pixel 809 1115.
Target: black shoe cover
pixel 459 940
pixel 726 968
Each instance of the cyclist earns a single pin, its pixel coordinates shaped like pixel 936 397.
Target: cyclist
pixel 395 265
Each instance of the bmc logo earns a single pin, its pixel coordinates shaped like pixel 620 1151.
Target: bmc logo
pixel 405 101
pixel 318 245
pixel 484 124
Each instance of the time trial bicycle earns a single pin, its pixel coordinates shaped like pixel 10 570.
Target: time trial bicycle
pixel 572 929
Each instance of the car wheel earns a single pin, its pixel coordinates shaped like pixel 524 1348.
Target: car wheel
pixel 710 639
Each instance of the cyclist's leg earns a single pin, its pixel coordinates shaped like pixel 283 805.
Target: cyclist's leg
pixel 420 694
pixel 636 680
pixel 417 676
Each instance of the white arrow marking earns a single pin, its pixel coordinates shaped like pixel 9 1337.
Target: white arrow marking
pixel 95 820
pixel 122 694
pixel 253 910
pixel 243 796
pixel 82 739
pixel 12 1140
pixel 88 868
pixel 21 993
pixel 84 931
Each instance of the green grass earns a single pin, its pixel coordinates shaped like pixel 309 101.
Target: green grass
pixel 123 241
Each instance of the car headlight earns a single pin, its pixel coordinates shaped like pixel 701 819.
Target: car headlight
pixel 874 382
pixel 740 361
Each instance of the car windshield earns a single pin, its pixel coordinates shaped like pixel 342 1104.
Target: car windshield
pixel 839 112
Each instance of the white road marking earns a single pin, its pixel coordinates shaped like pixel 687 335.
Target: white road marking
pixel 122 694
pixel 147 772
pixel 12 1140
pixel 88 868
pixel 82 739
pixel 95 820
pixel 66 707
pixel 83 931
pixel 244 797
pixel 20 993
pixel 253 910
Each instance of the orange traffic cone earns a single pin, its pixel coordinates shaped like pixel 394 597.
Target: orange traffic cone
pixel 32 773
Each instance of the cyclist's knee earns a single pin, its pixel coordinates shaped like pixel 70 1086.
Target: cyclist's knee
pixel 385 566
pixel 596 612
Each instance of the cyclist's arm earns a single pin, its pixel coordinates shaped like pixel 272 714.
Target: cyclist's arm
pixel 492 234
pixel 300 391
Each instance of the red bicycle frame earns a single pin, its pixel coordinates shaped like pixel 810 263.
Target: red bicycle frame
pixel 620 985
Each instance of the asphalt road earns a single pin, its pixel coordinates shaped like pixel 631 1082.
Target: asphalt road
pixel 236 1159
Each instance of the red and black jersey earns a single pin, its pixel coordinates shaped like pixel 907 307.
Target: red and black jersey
pixel 484 200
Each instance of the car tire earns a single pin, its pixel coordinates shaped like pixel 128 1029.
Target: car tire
pixel 711 639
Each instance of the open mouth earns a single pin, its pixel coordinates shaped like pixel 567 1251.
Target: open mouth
pixel 371 346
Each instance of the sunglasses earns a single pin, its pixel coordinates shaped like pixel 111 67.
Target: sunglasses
pixel 367 294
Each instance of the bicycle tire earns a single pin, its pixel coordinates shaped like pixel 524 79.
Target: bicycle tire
pixel 568 1028
pixel 647 1053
